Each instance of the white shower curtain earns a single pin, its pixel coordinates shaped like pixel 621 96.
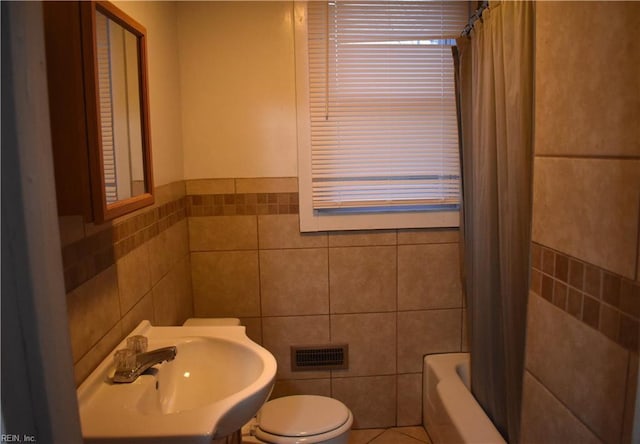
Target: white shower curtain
pixel 495 86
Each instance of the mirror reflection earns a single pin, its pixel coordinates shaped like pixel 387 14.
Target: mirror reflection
pixel 120 117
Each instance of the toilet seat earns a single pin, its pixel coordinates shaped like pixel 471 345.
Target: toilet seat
pixel 302 419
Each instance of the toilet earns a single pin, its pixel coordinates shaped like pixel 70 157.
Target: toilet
pixel 293 419
pixel 300 419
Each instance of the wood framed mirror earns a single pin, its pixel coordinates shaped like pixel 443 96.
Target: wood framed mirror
pixel 117 112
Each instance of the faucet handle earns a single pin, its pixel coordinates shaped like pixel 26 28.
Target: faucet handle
pixel 138 343
pixel 124 360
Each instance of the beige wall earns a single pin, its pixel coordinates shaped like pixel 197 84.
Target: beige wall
pixel 584 308
pixel 165 105
pixel 392 295
pixel 238 89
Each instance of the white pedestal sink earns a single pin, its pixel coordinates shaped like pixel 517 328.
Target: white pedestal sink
pixel 217 382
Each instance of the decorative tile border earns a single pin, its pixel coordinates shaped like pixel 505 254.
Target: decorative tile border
pixel 603 300
pixel 87 257
pixel 241 204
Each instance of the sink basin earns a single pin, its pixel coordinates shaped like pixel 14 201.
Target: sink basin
pixel 217 382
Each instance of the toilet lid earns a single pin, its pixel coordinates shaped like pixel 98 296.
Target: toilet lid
pixel 302 415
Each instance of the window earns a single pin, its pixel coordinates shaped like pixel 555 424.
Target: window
pixel 377 128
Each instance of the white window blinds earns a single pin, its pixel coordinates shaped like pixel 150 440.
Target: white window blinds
pixel 103 51
pixel 383 125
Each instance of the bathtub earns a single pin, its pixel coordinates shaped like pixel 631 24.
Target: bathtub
pixel 451 414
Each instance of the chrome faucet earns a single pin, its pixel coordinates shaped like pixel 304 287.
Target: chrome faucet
pixel 144 361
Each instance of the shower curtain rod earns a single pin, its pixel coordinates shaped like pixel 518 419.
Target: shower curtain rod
pixel 477 15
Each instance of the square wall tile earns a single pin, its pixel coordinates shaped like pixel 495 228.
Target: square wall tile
pixel 280 333
pixel 598 114
pixel 210 186
pixel 143 310
pixel 169 192
pixel 185 296
pixel 429 236
pixel 211 233
pixel 362 238
pixel 267 185
pixel 409 399
pixel 576 274
pixel 611 286
pixel 290 387
pixel 225 284
pixel 371 399
pixel 283 231
pixel 164 300
pixel 253 328
pixel 426 332
pixel 609 321
pixel 547 420
pixel 93 309
pixel 372 343
pixel 134 277
pixel 536 281
pixel 602 228
pixel 593 281
pixel 83 367
pixel 294 282
pixel 566 356
pixel 574 303
pixel 171 296
pixel 548 261
pixel 429 277
pixel 362 279
pixel 167 248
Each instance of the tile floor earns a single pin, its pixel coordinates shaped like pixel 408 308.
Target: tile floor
pixel 396 435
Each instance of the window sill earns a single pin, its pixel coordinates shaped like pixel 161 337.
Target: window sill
pixel 311 222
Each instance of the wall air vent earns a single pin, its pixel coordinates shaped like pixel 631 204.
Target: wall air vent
pixel 319 357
